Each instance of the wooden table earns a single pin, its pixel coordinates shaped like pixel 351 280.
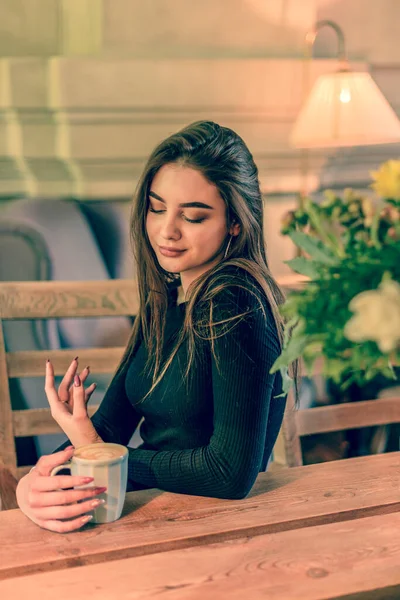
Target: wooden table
pixel 321 531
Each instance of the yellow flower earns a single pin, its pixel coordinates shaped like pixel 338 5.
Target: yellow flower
pixel 387 179
pixel 377 316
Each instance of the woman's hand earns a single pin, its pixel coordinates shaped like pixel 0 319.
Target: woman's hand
pixel 47 501
pixel 69 404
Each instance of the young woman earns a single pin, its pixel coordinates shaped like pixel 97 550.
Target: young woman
pixel 196 370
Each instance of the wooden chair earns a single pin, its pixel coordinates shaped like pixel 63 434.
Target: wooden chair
pixel 383 410
pixel 44 300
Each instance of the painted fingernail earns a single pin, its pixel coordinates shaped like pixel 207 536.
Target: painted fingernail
pixel 77 381
pixel 87 518
pixel 97 503
pixel 48 360
pixel 76 357
pixel 88 369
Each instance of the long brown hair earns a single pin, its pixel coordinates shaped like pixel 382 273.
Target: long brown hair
pixel 223 158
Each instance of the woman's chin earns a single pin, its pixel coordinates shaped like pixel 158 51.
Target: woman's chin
pixel 171 264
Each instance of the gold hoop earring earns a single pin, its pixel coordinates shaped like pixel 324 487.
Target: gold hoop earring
pixel 228 246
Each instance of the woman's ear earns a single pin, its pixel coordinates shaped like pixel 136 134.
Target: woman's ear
pixel 234 228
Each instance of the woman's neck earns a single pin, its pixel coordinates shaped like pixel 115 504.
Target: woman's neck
pixel 181 295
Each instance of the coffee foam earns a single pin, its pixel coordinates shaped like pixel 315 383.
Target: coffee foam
pixel 99 453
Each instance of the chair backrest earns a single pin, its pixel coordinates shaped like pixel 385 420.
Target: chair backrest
pixel 24 256
pixel 50 300
pixel 383 410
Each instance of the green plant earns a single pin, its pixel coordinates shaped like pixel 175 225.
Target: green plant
pixel 348 312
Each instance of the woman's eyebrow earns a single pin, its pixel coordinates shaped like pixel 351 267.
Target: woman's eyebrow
pixel 185 204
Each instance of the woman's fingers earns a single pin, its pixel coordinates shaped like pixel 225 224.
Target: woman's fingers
pixel 58 482
pixel 68 511
pixel 64 526
pixel 49 388
pixel 78 393
pixel 63 390
pixel 47 463
pixel 50 499
pixel 60 498
pixel 83 375
pixel 89 391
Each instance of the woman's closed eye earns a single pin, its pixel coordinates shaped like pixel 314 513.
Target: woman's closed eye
pixel 157 212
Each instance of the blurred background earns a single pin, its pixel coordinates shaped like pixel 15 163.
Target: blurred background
pixel 89 87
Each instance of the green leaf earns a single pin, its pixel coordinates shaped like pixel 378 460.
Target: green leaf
pixel 304 266
pixel 289 327
pixel 315 248
pixel 310 355
pixel 290 308
pixel 389 372
pixel 287 381
pixel 283 395
pixel 333 369
pixel 293 350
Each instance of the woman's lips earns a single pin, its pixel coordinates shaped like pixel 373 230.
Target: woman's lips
pixel 171 253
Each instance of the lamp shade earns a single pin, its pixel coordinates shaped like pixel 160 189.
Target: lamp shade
pixel 345 108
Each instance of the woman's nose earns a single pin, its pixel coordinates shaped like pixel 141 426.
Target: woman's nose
pixel 169 228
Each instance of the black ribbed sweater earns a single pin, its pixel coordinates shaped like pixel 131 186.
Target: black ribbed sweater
pixel 215 439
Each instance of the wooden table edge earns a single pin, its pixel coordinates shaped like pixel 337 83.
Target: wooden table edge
pixel 65 562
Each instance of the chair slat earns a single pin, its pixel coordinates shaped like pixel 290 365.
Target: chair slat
pixel 62 299
pixel 59 299
pixel 7 450
pixel 8 485
pixel 32 364
pixel 337 417
pixel 38 421
pixel 290 434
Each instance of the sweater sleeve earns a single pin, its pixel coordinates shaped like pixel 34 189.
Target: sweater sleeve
pixel 228 465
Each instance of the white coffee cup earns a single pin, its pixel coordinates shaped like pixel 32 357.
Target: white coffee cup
pixel 108 464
